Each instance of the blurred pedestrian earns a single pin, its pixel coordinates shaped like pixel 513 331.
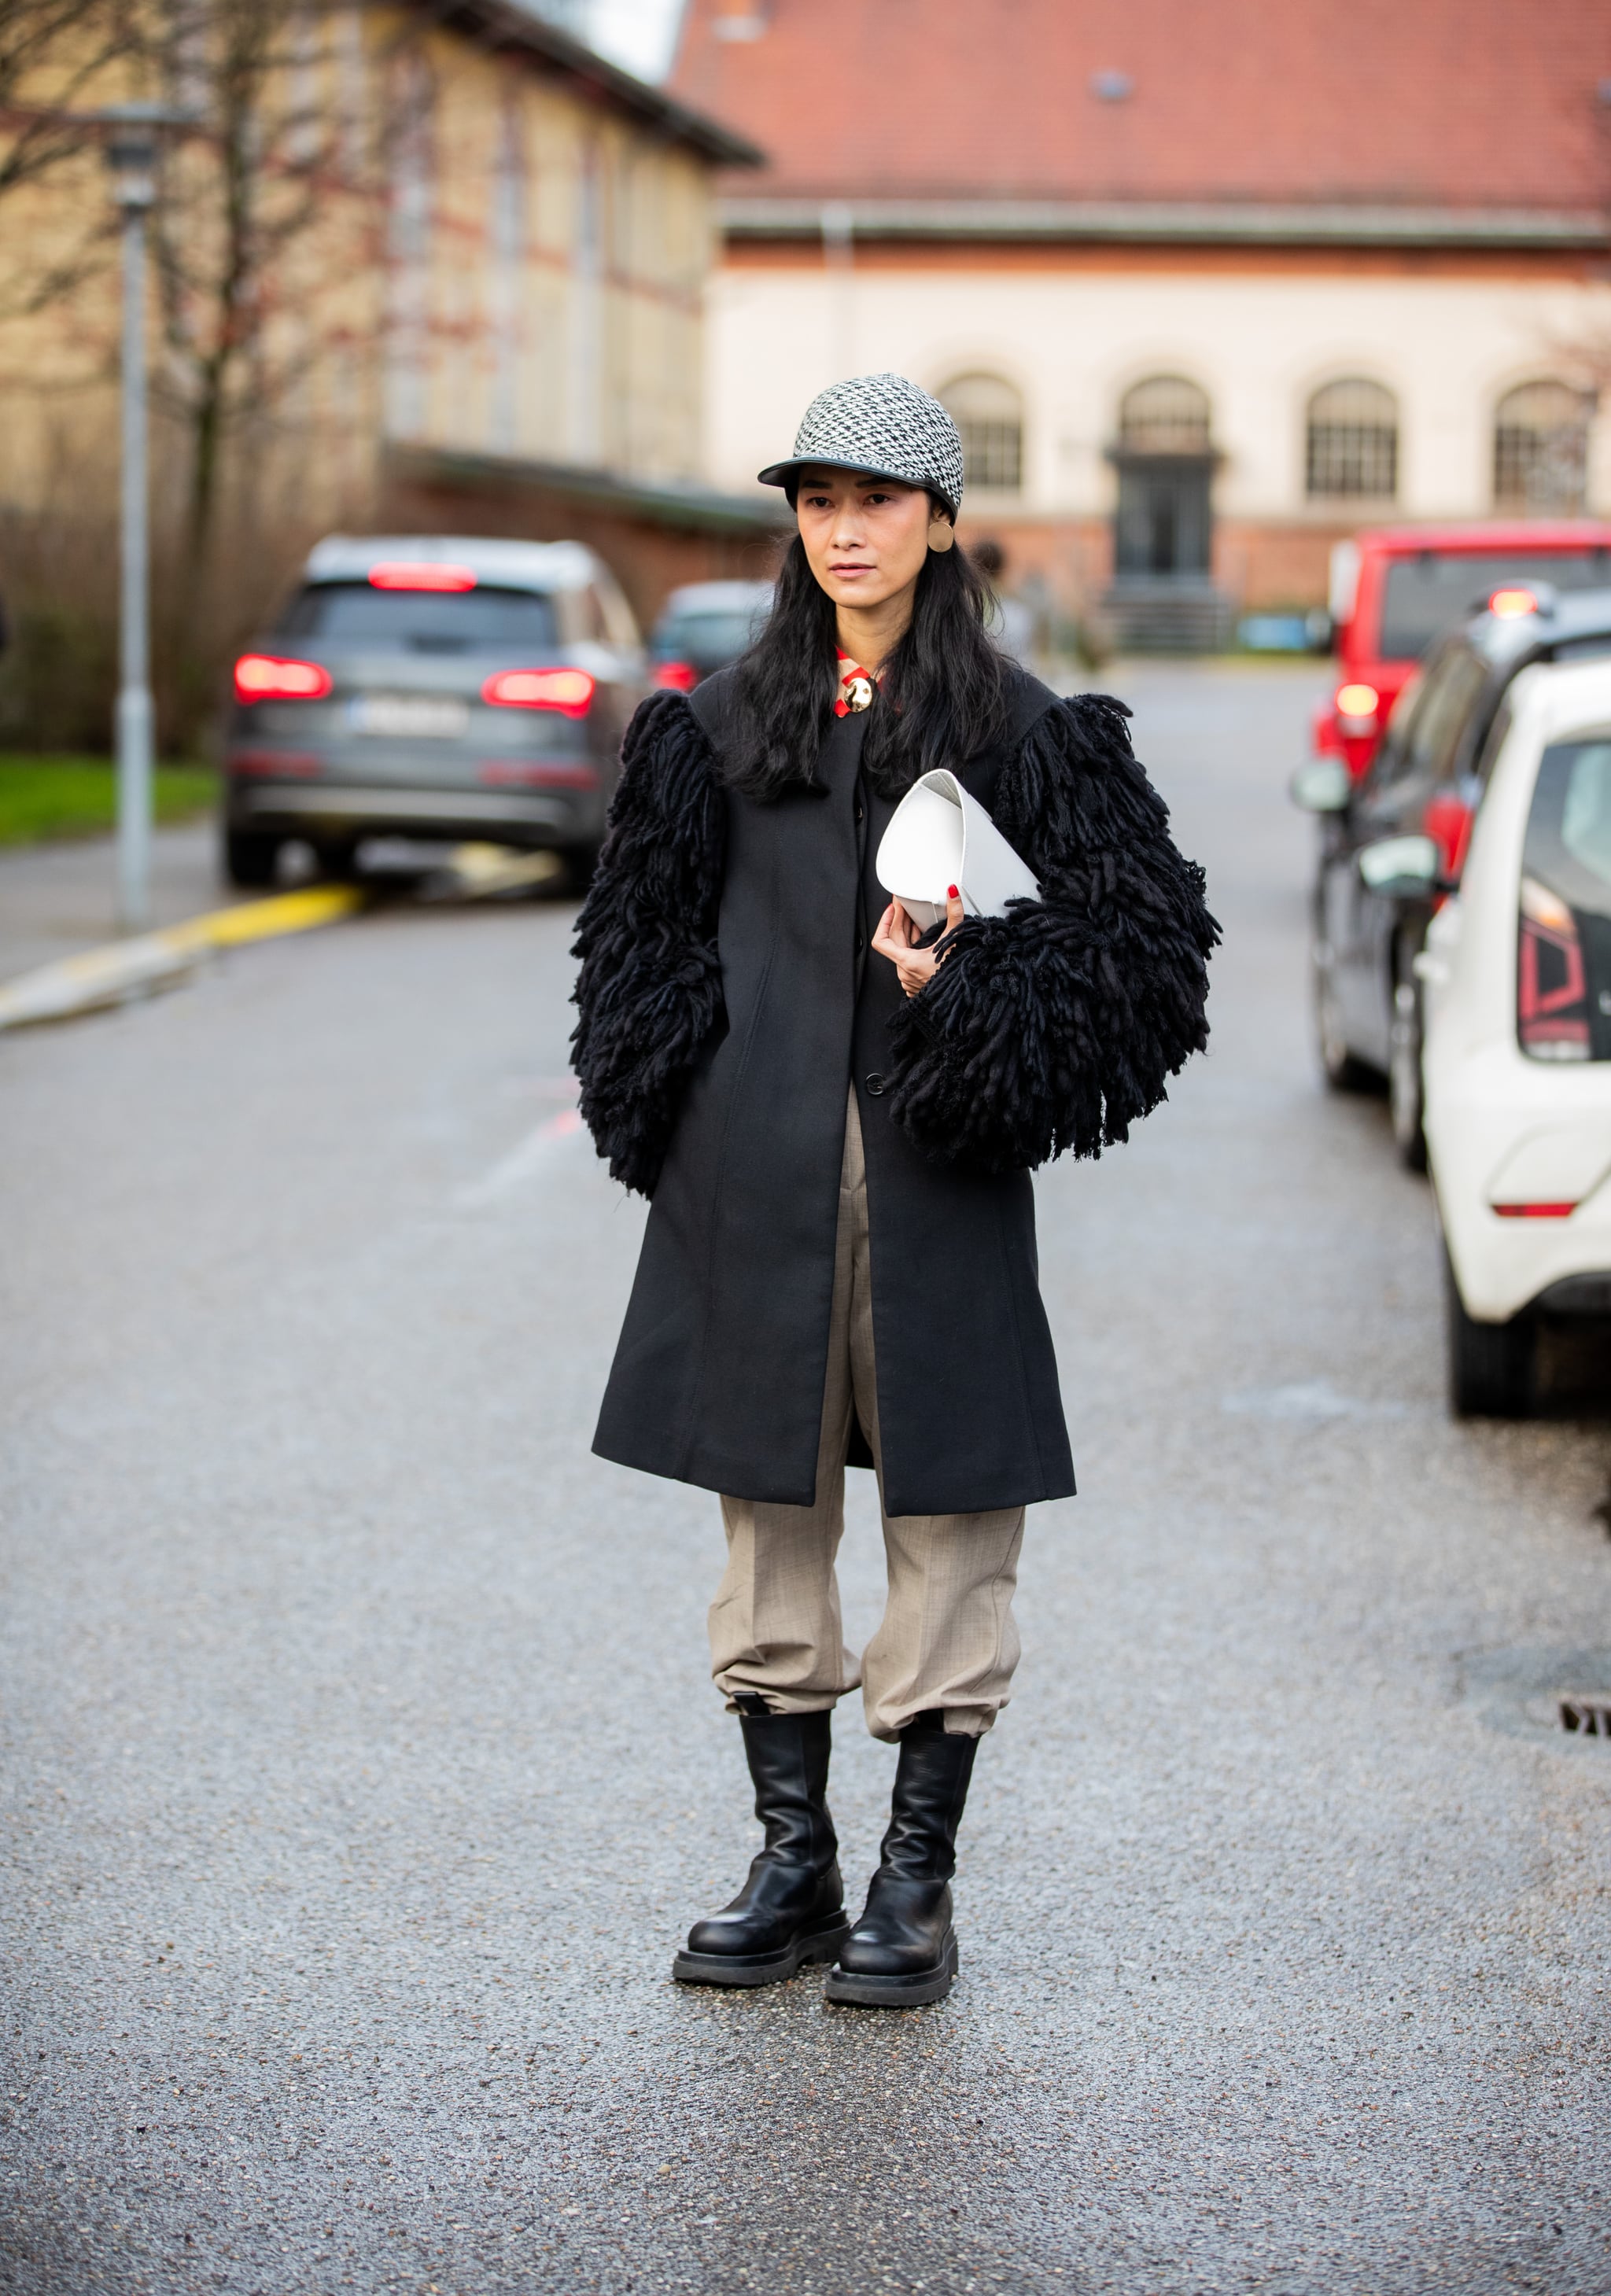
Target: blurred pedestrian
pixel 835 1117
pixel 1010 622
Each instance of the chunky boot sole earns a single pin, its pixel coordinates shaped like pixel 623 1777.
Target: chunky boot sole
pixel 907 1992
pixel 759 1968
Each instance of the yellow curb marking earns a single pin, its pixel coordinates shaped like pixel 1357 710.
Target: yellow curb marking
pixel 281 913
pixel 121 969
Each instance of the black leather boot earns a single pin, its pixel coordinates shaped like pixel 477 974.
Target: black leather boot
pixel 904 1950
pixel 792 1908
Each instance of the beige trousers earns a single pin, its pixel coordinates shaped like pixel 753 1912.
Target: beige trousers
pixel 947 1638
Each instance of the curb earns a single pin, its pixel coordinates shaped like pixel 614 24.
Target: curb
pixel 123 970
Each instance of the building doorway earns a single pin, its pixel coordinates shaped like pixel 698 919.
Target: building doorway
pixel 1165 464
pixel 1163 595
pixel 1162 519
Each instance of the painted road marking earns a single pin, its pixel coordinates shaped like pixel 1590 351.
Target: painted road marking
pixel 476 869
pixel 523 1159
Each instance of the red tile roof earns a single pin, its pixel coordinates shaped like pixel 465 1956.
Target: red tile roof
pixel 1477 105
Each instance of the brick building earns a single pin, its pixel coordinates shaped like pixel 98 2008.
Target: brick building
pixel 1205 288
pixel 488 315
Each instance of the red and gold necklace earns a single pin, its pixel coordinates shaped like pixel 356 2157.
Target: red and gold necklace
pixel 856 686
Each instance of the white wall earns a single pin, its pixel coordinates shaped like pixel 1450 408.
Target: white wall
pixel 1073 341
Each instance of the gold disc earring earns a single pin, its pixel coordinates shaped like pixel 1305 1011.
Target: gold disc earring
pixel 942 535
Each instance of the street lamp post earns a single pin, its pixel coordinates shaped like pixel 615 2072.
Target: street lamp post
pixel 131 152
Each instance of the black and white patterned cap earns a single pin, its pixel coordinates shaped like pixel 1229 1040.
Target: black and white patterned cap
pixel 882 424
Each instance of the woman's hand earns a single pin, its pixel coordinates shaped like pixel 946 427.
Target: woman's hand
pixel 896 935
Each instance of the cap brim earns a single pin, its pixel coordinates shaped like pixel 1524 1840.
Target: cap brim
pixel 780 474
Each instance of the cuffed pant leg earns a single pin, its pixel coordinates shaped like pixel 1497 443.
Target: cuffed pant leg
pixel 774 1625
pixel 947 1638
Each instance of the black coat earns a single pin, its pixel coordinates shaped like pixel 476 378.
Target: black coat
pixel 728 997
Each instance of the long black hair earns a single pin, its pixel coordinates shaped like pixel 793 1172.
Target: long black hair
pixel 939 701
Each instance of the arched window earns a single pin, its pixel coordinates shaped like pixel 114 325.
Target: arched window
pixel 1541 447
pixel 1353 445
pixel 1166 414
pixel 990 415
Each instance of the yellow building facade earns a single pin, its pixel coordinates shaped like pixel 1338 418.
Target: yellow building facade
pixel 469 288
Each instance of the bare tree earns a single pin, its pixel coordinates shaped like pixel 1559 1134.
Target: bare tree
pixel 60 61
pixel 268 238
pixel 235 198
pixel 57 60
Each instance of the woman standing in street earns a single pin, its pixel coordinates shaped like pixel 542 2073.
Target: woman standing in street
pixel 835 1118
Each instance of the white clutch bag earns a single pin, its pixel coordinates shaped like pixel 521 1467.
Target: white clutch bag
pixel 941 836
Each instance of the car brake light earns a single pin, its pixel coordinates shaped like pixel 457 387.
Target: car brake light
pixel 420 574
pixel 1512 601
pixel 1551 985
pixel 569 691
pixel 267 677
pixel 1536 1211
pixel 1359 702
pixel 679 676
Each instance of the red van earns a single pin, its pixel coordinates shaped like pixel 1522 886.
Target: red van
pixel 1396 588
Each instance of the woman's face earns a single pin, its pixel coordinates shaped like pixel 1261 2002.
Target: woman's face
pixel 866 538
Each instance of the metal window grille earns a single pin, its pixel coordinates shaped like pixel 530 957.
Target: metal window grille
pixel 1167 415
pixel 1540 448
pixel 992 455
pixel 1353 444
pixel 987 412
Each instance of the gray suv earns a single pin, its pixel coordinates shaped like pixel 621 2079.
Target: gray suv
pixel 435 687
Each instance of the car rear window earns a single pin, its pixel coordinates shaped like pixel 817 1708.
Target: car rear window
pixel 1426 595
pixel 1451 691
pixel 709 639
pixel 1563 951
pixel 484 620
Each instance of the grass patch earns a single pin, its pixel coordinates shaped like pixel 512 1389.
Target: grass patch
pixel 46 797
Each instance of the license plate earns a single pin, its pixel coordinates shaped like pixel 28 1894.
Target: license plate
pixel 417 716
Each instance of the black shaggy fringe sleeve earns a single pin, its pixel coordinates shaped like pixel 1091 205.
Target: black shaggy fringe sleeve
pixel 1053 1029
pixel 649 991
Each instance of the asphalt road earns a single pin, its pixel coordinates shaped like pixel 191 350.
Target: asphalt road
pixel 361 1772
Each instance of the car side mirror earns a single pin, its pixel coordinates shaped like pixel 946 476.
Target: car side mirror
pixel 1323 785
pixel 1403 868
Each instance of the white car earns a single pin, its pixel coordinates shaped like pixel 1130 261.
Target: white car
pixel 1517 976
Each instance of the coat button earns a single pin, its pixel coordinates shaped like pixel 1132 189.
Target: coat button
pixel 859 813
pixel 875 1084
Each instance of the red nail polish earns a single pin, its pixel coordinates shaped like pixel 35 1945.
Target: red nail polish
pixel 950 893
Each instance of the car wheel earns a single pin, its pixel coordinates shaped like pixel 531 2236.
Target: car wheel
pixel 1492 1368
pixel 250 860
pixel 1405 1100
pixel 337 859
pixel 1342 1073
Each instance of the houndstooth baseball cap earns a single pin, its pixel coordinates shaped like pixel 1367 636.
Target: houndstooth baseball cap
pixel 885 425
